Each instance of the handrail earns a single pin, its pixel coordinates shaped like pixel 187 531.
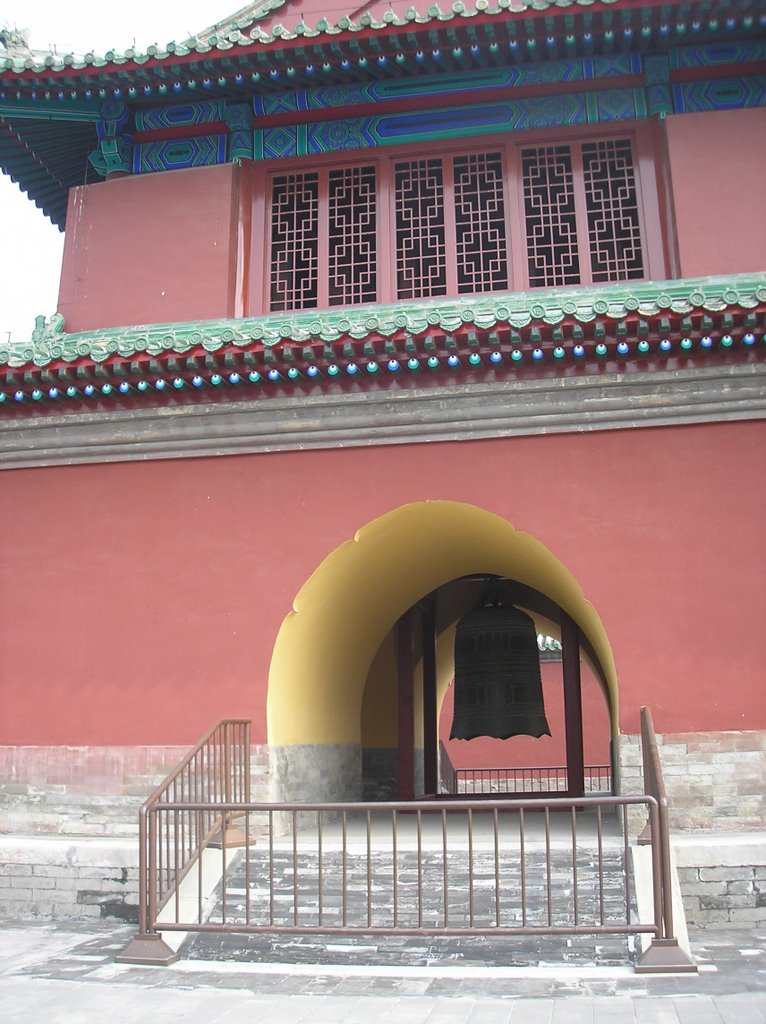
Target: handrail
pixel 663 954
pixel 532 778
pixel 225 723
pixel 307 851
pixel 654 785
pixel 216 771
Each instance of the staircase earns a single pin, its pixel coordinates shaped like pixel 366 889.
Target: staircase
pixel 280 888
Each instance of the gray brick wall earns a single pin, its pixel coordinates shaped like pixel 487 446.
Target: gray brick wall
pixel 716 787
pixel 98 794
pixel 78 879
pixel 713 780
pixel 723 879
pixel 69 830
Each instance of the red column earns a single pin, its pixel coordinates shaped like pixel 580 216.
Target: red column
pixel 570 644
pixel 406 704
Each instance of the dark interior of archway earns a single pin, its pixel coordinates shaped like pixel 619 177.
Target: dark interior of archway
pixel 446 606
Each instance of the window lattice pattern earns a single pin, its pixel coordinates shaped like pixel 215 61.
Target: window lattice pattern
pixel 549 210
pixel 353 235
pixel 294 241
pixel 421 268
pixel 612 202
pixel 482 260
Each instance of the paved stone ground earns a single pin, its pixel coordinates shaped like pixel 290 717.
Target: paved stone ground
pixel 65 974
pixel 286 888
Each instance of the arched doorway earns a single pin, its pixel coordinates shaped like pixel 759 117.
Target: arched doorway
pixel 331 665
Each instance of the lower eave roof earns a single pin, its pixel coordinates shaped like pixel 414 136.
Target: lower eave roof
pixel 547 329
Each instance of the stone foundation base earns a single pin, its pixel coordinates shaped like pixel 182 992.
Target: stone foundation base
pixel 714 780
pixel 380 767
pixel 68 878
pixel 723 879
pixel 90 791
pixel 316 773
pixel 380 773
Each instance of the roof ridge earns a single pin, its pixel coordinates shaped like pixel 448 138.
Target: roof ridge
pixel 240 19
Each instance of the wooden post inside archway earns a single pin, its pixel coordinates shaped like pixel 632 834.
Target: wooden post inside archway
pixel 570 650
pixel 405 672
pixel 430 709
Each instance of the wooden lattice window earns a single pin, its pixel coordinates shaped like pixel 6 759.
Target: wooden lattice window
pixel 421 250
pixel 550 219
pixel 534 214
pixel 581 211
pixel 352 232
pixel 614 229
pixel 294 241
pixel 482 259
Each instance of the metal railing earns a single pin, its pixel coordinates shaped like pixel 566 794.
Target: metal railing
pixel 544 779
pixel 213 776
pixel 664 954
pixel 437 867
pixel 531 866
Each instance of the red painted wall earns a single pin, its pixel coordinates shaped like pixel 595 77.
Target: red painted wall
pixel 717 162
pixel 153 249
pixel 140 601
pixel 182 245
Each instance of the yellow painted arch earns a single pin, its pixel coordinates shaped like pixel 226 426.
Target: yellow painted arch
pixel 326 644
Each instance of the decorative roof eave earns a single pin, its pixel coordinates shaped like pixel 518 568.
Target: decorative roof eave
pixel 541 310
pixel 715 321
pixel 281 34
pixel 239 42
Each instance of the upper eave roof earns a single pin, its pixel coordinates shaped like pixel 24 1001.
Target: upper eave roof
pixel 50 105
pixel 252 36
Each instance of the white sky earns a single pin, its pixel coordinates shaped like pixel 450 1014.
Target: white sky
pixel 30 246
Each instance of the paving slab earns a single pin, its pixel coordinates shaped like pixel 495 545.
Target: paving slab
pixel 65 974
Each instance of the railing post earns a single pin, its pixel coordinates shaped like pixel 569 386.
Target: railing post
pixel 143 876
pixel 663 955
pixel 147 947
pixel 653 823
pixel 227 763
pixel 247 767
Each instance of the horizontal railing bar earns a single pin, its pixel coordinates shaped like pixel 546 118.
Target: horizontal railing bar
pixel 531 768
pixel 617 929
pixel 426 806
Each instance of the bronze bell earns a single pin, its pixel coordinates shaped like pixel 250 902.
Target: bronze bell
pixel 498 687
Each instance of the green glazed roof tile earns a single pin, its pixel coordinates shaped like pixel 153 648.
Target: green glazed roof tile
pixel 51 344
pixel 250 30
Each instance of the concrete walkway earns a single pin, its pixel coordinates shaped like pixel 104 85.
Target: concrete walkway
pixel 65 974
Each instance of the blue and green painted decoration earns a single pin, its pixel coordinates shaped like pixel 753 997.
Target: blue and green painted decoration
pixel 657 96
